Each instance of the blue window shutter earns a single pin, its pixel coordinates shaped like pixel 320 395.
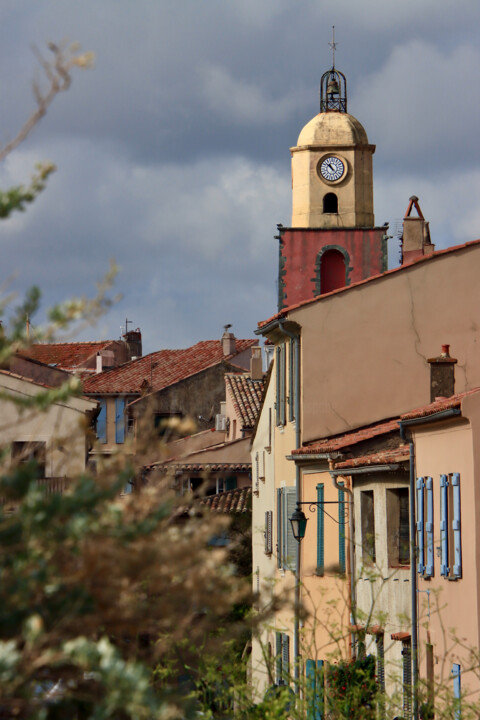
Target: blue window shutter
pixel 291 382
pixel 341 529
pixel 420 525
pixel 119 419
pixel 320 531
pixel 444 524
pixel 314 674
pixel 278 384
pixel 429 528
pixel 102 422
pixel 457 690
pixel 285 658
pixel 456 527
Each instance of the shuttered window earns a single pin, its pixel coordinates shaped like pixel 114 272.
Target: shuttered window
pixel 282 658
pixel 268 532
pixel 314 689
pixel 102 422
pixel 457 691
pixel 450 526
pixel 119 419
pixel 281 385
pixel 286 543
pixel 407 679
pixel 291 382
pixel 425 549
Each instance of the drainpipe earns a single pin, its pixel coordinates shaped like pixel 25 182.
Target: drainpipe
pixel 296 626
pixel 351 531
pixel 413 571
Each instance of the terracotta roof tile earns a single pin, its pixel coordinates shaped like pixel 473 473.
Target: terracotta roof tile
pixel 439 405
pixel 336 443
pixel 65 355
pixel 232 501
pixel 246 395
pixel 383 457
pixel 161 369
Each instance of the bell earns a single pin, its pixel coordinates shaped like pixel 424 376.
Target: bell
pixel 332 87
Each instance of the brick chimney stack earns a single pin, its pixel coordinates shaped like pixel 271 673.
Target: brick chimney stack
pixel 228 341
pixel 256 365
pixel 442 375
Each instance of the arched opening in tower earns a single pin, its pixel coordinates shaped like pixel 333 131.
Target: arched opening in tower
pixel 330 203
pixel 332 271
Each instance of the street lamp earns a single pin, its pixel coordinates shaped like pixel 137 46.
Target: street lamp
pixel 298 522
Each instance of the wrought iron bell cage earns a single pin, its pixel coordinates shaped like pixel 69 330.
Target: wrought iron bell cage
pixel 333 91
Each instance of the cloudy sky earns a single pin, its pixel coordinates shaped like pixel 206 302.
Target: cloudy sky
pixel 173 152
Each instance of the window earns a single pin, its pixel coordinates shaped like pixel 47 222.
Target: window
pixel 31 452
pixel 286 543
pixel 330 203
pixel 457 691
pixel 102 422
pixel 281 385
pixel 320 531
pixel 425 565
pixel 282 658
pixel 367 511
pixel 315 689
pixel 398 527
pixel 268 532
pixel 332 271
pixel 119 419
pixel 380 643
pixel 450 526
pixel 291 381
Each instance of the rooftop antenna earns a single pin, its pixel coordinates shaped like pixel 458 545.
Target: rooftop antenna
pixel 333 45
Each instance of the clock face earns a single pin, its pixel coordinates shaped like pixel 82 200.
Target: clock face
pixel 332 168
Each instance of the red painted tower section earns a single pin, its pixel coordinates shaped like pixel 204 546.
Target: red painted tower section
pixel 308 267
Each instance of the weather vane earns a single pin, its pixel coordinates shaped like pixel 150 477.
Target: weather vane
pixel 333 45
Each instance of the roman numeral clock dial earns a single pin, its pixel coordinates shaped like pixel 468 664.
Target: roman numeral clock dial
pixel 332 168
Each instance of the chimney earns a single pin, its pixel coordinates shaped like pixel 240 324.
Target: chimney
pixel 256 365
pixel 416 240
pixel 228 341
pixel 442 375
pixel 99 365
pixel 133 341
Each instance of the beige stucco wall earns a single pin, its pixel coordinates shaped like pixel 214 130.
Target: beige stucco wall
pixel 325 598
pixel 365 350
pixel 383 593
pixel 61 426
pixel 450 608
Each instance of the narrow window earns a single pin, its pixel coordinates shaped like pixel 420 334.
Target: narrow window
pixel 286 543
pixel 450 526
pixel 268 532
pixel 332 271
pixel 291 379
pixel 119 419
pixel 457 691
pixel 380 643
pixel 102 422
pixel 430 679
pixel 330 203
pixel 398 527
pixel 368 526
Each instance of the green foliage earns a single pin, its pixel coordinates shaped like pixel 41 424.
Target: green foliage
pixel 353 689
pixel 17 198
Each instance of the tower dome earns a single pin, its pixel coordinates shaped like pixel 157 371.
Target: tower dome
pixel 333 128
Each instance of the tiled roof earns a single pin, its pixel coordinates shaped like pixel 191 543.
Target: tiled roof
pixel 206 467
pixel 439 405
pixel 162 368
pixel 246 395
pixel 64 355
pixel 232 501
pixel 342 441
pixel 383 457
pixel 347 288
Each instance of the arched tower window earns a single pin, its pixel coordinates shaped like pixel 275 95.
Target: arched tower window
pixel 330 203
pixel 333 273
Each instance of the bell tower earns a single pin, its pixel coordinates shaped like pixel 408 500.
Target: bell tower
pixel 332 241
pixel 332 173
